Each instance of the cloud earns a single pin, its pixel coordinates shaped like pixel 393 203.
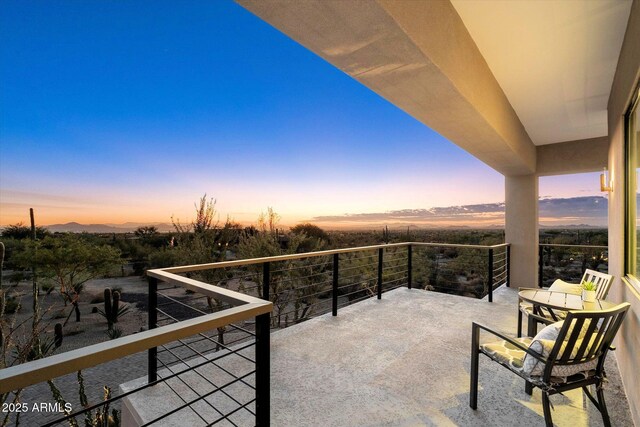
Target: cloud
pixel 590 210
pixel 20 196
pixel 421 214
pixel 588 207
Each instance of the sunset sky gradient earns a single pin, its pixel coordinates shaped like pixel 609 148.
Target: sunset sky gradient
pixel 130 111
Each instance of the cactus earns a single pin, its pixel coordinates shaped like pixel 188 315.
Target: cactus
pixel 58 335
pixel 385 234
pixel 107 305
pixel 112 309
pixel 115 306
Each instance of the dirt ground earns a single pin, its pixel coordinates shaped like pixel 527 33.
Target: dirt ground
pixel 92 328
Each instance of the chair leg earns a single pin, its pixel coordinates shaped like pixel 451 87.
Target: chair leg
pixel 585 390
pixel 532 326
pixel 475 355
pixel 603 407
pixel 519 323
pixel 547 410
pixel 528 388
pixel 531 332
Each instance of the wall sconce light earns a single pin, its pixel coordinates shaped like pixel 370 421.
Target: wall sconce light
pixel 606 183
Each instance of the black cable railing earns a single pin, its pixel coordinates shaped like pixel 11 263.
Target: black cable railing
pixel 461 270
pixel 200 392
pixel 207 367
pixel 308 285
pixel 568 262
pixel 221 374
pixel 304 286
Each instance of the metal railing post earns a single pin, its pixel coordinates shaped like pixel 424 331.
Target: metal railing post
pixel 263 370
pixel 266 280
pixel 380 261
pixel 540 263
pixel 509 266
pixel 490 278
pixel 409 256
pixel 334 290
pixel 152 353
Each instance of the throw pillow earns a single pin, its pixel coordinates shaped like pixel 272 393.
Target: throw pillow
pixel 549 334
pixel 544 342
pixel 569 288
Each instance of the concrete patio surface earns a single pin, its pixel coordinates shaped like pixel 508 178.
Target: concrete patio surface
pixel 404 361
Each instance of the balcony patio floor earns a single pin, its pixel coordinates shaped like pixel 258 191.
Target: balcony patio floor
pixel 404 361
pixel 399 361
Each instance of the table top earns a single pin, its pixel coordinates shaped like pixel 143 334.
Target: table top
pixel 561 300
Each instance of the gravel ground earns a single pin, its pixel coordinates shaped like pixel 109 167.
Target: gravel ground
pixel 92 329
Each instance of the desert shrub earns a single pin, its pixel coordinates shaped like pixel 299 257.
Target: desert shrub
pixel 114 333
pixel 450 253
pixel 47 287
pixel 139 267
pixel 11 246
pixel 166 257
pixel 11 305
pixel 20 231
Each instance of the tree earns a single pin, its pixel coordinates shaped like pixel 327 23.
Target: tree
pixel 69 261
pixel 295 284
pixel 269 221
pixel 311 230
pixel 203 224
pixel 200 242
pixel 146 231
pixel 203 240
pixel 20 231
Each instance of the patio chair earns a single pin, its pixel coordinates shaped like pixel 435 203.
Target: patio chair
pixel 565 355
pixel 603 283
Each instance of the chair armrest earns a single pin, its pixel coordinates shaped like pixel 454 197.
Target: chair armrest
pixel 476 327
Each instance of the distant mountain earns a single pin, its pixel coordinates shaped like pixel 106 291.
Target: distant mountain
pixel 127 227
pixel 572 212
pixel 570 226
pixel 162 227
pixel 74 227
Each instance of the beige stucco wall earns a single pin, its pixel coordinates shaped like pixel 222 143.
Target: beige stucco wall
pixel 521 228
pixel 521 199
pixel 625 81
pixel 586 155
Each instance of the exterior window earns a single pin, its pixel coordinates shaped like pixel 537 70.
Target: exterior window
pixel 632 173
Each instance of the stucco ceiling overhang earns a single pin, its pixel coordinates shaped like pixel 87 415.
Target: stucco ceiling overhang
pixel 555 60
pixel 444 66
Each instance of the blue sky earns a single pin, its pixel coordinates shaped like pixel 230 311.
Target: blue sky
pixel 130 111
